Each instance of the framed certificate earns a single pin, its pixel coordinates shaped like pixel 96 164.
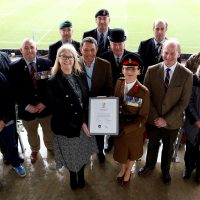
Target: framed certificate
pixel 104 116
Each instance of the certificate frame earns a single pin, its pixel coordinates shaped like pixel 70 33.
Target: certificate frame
pixel 103 116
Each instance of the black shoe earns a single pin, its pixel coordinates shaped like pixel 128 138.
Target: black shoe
pixel 197 178
pixel 186 174
pixel 145 170
pixel 108 149
pixel 73 180
pixel 81 178
pixel 101 157
pixel 21 160
pixel 166 178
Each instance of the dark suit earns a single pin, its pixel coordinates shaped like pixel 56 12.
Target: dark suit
pixel 4 63
pixel 102 85
pixel 53 48
pixel 147 51
pixel 169 105
pixel 67 113
pixel 93 33
pixel 116 70
pixel 24 92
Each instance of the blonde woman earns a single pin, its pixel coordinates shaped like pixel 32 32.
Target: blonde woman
pixel 69 101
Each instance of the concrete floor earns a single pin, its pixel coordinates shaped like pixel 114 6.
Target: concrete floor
pixel 43 182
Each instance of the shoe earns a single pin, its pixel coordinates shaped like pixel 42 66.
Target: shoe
pixel 166 178
pixel 101 157
pixel 21 160
pixel 145 170
pixel 186 174
pixel 124 183
pixel 20 170
pixel 34 157
pixel 120 179
pixel 197 178
pixel 108 149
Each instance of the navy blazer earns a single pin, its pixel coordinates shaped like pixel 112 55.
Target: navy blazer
pixel 93 33
pixel 22 87
pixel 6 105
pixel 4 63
pixel 53 48
pixel 116 70
pixel 68 114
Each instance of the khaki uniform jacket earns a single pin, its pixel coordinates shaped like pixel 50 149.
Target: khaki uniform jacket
pixel 129 144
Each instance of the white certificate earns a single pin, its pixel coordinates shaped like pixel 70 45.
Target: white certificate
pixel 104 116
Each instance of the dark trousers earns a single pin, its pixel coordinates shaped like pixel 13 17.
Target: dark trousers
pixel 168 138
pixel 7 138
pixel 100 142
pixel 192 157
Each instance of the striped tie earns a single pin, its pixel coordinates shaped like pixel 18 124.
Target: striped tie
pixel 167 78
pixel 101 42
pixel 32 73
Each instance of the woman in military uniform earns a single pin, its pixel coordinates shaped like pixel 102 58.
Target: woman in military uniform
pixel 134 108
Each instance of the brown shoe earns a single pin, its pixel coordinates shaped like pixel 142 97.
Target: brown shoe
pixel 34 157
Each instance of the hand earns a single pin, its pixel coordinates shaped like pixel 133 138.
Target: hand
pixel 160 122
pixel 40 107
pixel 85 129
pixel 197 123
pixel 2 125
pixel 32 109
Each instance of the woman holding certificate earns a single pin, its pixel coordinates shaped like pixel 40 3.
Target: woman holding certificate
pixel 134 108
pixel 68 101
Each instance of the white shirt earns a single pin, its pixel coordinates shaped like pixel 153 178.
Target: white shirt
pixel 171 72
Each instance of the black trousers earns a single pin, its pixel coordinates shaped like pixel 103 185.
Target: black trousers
pixel 100 142
pixel 192 157
pixel 168 138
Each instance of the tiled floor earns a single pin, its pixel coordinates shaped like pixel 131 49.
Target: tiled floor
pixel 43 182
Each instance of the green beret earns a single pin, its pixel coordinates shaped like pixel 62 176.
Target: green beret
pixel 65 24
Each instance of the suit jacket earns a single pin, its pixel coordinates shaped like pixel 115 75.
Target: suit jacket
pixel 4 63
pixel 53 48
pixel 22 87
pixel 68 114
pixel 116 70
pixel 93 33
pixel 6 105
pixel 169 105
pixel 102 84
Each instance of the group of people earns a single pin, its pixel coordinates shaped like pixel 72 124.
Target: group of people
pixel 153 88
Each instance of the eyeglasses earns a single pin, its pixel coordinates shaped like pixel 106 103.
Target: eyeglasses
pixel 65 58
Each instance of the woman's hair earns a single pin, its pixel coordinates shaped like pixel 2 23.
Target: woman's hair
pixel 72 50
pixel 198 71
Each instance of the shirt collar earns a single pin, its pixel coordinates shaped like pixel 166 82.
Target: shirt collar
pixel 172 68
pixel 130 85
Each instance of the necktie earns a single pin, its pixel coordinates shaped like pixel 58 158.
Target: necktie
pixel 101 42
pixel 32 73
pixel 158 51
pixel 117 60
pixel 167 78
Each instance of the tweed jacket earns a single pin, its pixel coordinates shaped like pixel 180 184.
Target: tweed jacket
pixel 53 48
pixel 24 93
pixel 169 105
pixel 102 84
pixel 116 70
pixel 93 33
pixel 68 114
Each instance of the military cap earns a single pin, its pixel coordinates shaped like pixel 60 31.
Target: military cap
pixel 117 35
pixel 65 24
pixel 102 12
pixel 132 60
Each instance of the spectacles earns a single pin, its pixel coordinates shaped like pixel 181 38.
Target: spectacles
pixel 65 58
